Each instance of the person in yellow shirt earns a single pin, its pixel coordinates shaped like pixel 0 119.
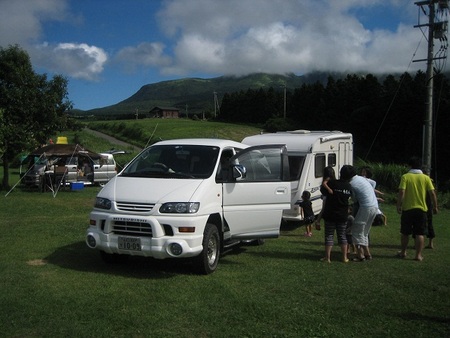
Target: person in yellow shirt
pixel 412 205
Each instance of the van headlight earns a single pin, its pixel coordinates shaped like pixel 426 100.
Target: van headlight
pixel 179 208
pixel 102 203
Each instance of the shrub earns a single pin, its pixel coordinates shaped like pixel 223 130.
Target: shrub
pixel 279 124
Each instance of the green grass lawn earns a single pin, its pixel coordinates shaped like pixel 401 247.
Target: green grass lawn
pixel 54 286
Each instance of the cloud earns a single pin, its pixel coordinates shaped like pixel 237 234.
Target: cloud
pixel 77 60
pixel 233 37
pixel 243 36
pixel 21 20
pixel 145 54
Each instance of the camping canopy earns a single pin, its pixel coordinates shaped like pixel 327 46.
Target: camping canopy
pixel 64 150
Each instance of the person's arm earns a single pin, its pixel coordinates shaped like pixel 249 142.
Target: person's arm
pixel 434 200
pixel 325 184
pixel 400 197
pixel 319 217
pixel 379 192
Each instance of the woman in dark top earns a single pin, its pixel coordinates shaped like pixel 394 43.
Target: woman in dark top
pixel 335 214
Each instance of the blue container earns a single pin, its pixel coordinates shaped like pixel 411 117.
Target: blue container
pixel 76 186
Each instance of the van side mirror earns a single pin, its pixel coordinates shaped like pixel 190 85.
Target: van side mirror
pixel 239 172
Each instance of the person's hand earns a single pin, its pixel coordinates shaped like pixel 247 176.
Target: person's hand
pixel 317 225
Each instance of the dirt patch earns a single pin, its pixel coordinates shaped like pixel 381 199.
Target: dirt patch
pixel 37 262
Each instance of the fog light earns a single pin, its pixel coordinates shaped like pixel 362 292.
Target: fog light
pixel 186 229
pixel 175 249
pixel 91 241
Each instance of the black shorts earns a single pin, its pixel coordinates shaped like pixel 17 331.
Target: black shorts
pixel 414 222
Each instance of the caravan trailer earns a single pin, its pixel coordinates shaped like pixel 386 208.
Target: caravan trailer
pixel 309 153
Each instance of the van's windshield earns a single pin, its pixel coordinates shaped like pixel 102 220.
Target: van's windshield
pixel 174 161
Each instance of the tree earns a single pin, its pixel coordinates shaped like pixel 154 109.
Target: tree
pixel 31 107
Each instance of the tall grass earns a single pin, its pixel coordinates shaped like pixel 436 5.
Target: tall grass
pixel 386 175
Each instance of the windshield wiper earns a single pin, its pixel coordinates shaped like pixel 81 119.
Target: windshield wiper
pixel 157 173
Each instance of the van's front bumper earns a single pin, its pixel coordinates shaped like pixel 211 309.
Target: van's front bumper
pixel 148 236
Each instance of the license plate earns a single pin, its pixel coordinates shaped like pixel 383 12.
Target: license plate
pixel 129 243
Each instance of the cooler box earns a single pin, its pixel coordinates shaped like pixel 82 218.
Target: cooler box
pixel 76 186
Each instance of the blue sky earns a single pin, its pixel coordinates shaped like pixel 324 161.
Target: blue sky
pixel 108 49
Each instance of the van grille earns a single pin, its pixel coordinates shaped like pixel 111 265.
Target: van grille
pixel 132 228
pixel 136 207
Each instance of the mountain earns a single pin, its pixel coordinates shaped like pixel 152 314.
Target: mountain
pixel 197 95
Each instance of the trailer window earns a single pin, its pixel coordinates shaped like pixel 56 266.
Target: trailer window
pixel 319 165
pixel 331 160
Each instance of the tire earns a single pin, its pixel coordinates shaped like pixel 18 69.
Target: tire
pixel 113 258
pixel 207 261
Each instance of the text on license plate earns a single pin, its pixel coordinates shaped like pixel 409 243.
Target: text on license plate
pixel 129 243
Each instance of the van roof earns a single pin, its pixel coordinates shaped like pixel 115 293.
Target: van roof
pixel 221 143
pixel 298 140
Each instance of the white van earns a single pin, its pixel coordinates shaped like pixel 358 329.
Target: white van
pixel 191 198
pixel 309 153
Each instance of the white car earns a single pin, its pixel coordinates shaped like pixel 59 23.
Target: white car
pixel 191 198
pixel 105 168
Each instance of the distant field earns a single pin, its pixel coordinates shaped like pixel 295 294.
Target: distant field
pixel 148 131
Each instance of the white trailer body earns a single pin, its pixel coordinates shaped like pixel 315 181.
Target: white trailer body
pixel 309 153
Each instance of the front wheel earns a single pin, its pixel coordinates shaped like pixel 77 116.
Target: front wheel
pixel 207 261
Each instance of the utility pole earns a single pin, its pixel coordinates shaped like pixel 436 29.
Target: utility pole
pixel 436 30
pixel 216 105
pixel 284 100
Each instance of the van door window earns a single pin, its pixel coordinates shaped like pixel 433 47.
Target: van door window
pixel 223 170
pixel 261 166
pixel 295 167
pixel 319 165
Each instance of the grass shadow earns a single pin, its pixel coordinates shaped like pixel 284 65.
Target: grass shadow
pixel 421 317
pixel 77 256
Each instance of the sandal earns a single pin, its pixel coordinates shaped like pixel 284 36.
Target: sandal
pixel 359 259
pixel 368 257
pixel 400 255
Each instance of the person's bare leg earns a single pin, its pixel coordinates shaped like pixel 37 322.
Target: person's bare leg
pixel 367 253
pixel 361 251
pixel 419 247
pixel 404 245
pixel 327 257
pixel 344 248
